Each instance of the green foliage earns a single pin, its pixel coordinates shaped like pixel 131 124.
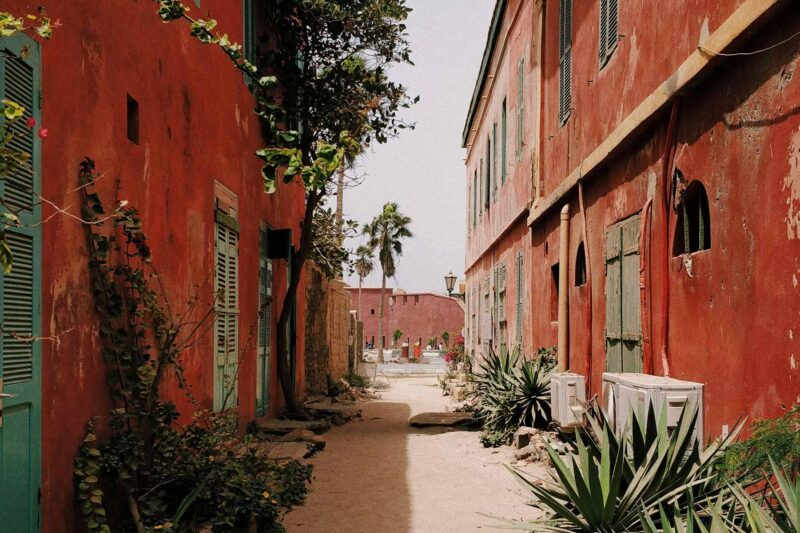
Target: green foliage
pixel 357 380
pixel 167 477
pixel 511 391
pixel 396 336
pixel 646 481
pixel 328 251
pixel 446 338
pixel 779 438
pixel 433 342
pixel 363 263
pixel 385 235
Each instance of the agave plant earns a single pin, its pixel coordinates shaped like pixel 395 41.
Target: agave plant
pixel 512 391
pixel 648 479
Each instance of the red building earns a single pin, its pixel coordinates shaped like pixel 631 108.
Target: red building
pixel 170 125
pixel 676 169
pixel 420 316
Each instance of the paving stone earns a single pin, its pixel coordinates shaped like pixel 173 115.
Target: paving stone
pixel 423 420
pixel 273 425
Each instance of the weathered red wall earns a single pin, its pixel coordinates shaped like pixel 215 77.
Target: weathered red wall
pixel 500 231
pixel 733 322
pixel 418 315
pixel 197 125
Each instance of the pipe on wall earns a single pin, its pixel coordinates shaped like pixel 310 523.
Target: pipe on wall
pixel 669 154
pixel 644 257
pixel 588 262
pixel 563 284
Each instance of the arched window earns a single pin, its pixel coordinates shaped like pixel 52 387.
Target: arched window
pixel 693 230
pixel 580 266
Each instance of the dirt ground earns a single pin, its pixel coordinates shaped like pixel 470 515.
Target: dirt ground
pixel 381 475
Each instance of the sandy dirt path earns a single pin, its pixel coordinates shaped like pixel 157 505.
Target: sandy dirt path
pixel 381 475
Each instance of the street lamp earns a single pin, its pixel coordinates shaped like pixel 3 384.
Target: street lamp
pixel 450 282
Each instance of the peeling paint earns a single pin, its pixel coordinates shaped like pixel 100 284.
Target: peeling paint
pixel 792 362
pixel 791 184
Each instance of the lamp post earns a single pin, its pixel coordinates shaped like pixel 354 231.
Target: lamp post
pixel 450 282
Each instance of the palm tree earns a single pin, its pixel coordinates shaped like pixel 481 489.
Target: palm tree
pixel 385 234
pixel 364 266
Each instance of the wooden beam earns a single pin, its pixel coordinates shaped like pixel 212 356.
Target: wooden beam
pixel 698 63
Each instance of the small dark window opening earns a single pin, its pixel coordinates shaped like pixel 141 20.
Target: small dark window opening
pixel 372 311
pixel 693 229
pixel 580 266
pixel 554 294
pixel 133 119
pixel 416 300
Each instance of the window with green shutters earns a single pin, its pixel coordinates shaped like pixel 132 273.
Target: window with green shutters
pixel 264 326
pixel 519 309
pixel 487 189
pixel 565 61
pixel 480 188
pixel 520 105
pixel 609 29
pixel 226 323
pixel 494 160
pixel 503 140
pixel 475 199
pixel 20 297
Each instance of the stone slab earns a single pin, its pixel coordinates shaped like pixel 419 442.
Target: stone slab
pixel 273 425
pixel 423 420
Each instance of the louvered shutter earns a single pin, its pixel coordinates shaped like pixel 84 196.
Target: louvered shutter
pixel 488 177
pixel 18 310
pixel 613 26
pixel 520 105
pixel 565 61
pixel 18 87
pixel 602 48
pixel 519 300
pixel 504 140
pixel 494 160
pixel 226 284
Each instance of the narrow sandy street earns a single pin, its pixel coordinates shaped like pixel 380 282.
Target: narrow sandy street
pixel 381 475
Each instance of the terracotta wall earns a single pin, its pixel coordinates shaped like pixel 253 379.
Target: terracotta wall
pixel 418 315
pixel 329 331
pixel 733 309
pixel 196 126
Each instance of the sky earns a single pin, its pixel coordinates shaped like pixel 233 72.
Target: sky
pixel 423 170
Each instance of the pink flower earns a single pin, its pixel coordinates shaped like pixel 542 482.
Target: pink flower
pixel 43 132
pixel 30 123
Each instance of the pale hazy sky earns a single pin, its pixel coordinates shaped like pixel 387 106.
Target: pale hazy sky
pixel 423 170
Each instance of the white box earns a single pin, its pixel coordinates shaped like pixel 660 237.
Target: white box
pixel 567 396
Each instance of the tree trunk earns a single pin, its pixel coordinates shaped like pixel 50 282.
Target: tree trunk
pixel 293 404
pixel 340 206
pixel 380 320
pixel 360 283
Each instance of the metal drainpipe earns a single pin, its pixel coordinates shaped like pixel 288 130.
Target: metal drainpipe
pixel 647 352
pixel 587 259
pixel 563 284
pixel 669 153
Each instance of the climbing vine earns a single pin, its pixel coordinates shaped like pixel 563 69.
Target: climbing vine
pixel 165 476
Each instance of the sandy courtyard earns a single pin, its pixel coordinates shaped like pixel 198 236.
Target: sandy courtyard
pixel 381 475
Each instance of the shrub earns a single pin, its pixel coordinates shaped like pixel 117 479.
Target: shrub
pixel 779 438
pixel 511 391
pixel 357 381
pixel 647 481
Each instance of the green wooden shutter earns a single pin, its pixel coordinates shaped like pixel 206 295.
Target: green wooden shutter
pixel 20 308
pixel 488 177
pixel 494 161
pixel 519 309
pixel 249 37
pixel 520 105
pixel 264 327
pixel 475 199
pixel 226 317
pixel 603 31
pixel 480 187
pixel 504 140
pixel 609 29
pixel 623 313
pixel 565 61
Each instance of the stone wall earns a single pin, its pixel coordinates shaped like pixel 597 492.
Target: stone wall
pixel 329 326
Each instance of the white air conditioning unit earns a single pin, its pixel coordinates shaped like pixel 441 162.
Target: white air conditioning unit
pixel 625 393
pixel 567 396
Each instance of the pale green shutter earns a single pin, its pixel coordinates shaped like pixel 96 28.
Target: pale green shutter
pixel 494 161
pixel 518 317
pixel 226 317
pixel 520 105
pixel 488 177
pixel 264 327
pixel 503 139
pixel 475 199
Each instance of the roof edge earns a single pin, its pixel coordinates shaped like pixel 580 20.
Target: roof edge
pixel 491 41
